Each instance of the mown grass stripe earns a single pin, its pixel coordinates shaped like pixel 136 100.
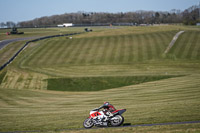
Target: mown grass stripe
pixel 131 48
pixel 126 48
pixel 148 46
pixel 71 46
pixel 198 52
pixel 30 51
pixel 44 54
pixel 117 51
pixel 145 45
pixel 99 51
pixel 67 45
pixel 193 43
pixel 47 58
pixel 153 47
pixel 85 51
pixel 160 45
pixel 113 50
pixel 91 51
pixel 37 53
pixel 165 38
pixel 80 52
pixel 188 45
pixel 196 48
pixel 183 45
pixel 121 49
pixel 94 51
pixel 105 47
pixel 70 56
pixel 57 53
pixel 140 48
pixel 108 50
pixel 157 47
pixel 135 48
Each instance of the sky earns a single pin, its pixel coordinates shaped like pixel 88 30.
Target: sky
pixel 23 10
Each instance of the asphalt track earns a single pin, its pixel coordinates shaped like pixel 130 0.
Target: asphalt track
pixel 125 125
pixel 3 43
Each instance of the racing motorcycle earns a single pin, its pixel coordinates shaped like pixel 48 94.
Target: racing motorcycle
pixel 101 119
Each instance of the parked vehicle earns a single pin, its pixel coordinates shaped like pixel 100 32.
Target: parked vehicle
pixel 14 31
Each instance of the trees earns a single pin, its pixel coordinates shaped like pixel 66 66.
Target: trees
pixel 189 16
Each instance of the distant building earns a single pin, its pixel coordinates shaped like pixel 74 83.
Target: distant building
pixel 198 24
pixel 65 25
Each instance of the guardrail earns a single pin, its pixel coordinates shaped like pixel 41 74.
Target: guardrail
pixel 38 39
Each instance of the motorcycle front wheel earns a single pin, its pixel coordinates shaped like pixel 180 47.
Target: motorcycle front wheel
pixel 88 123
pixel 117 121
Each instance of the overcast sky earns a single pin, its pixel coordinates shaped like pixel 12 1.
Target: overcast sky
pixel 21 10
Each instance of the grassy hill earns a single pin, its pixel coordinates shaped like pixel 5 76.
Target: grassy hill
pixel 187 46
pixel 127 62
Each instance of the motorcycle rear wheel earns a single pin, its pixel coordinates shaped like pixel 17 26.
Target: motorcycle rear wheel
pixel 88 123
pixel 117 121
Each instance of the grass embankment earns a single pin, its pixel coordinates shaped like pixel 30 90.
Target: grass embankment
pixel 121 49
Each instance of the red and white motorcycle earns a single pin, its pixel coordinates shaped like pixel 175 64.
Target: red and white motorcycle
pixel 99 118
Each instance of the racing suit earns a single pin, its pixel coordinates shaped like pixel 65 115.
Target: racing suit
pixel 109 108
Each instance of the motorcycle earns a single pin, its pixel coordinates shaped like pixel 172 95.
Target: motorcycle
pixel 101 119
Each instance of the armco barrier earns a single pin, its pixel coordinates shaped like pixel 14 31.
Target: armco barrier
pixel 38 39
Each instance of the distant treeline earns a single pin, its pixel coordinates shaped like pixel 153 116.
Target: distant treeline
pixel 190 16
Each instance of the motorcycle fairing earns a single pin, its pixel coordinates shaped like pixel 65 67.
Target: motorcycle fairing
pixel 121 111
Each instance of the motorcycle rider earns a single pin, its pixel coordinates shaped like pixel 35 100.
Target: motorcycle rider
pixel 109 108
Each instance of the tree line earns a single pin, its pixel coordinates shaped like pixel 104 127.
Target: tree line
pixel 190 16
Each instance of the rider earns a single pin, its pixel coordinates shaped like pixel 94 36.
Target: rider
pixel 109 108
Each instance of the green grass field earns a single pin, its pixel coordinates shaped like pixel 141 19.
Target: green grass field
pixel 127 66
